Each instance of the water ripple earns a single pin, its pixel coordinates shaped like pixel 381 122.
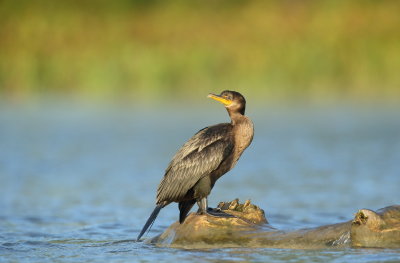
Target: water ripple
pixel 78 186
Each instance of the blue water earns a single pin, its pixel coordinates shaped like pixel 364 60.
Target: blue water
pixel 77 183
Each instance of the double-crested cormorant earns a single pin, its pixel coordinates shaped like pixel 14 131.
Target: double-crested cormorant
pixel 208 155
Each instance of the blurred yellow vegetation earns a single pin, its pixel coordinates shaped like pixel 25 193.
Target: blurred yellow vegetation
pixel 296 50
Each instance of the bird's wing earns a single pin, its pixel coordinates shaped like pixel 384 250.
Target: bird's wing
pixel 198 157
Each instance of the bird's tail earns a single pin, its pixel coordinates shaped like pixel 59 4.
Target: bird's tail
pixel 184 208
pixel 150 221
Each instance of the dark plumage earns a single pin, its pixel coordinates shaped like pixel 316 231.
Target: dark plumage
pixel 204 158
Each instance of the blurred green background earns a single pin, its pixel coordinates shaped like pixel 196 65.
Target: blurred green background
pixel 146 50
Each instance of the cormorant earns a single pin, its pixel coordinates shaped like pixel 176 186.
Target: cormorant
pixel 204 158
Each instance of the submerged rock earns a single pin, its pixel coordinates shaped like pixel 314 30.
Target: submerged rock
pixel 250 228
pixel 377 229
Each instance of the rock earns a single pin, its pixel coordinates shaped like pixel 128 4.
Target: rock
pixel 376 229
pixel 250 228
pixel 206 230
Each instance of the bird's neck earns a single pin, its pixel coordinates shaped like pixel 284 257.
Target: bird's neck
pixel 243 126
pixel 243 131
pixel 236 117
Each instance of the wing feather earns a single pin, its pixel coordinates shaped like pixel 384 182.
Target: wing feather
pixel 198 157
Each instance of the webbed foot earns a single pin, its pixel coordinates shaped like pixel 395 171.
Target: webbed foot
pixel 217 212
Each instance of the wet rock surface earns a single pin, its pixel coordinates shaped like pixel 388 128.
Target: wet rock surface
pixel 376 229
pixel 250 228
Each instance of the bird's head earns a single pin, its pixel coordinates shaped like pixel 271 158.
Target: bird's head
pixel 232 100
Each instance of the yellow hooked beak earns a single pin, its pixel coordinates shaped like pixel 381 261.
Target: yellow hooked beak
pixel 223 100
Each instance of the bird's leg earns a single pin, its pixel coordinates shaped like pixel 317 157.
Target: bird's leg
pixel 203 205
pixel 204 209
